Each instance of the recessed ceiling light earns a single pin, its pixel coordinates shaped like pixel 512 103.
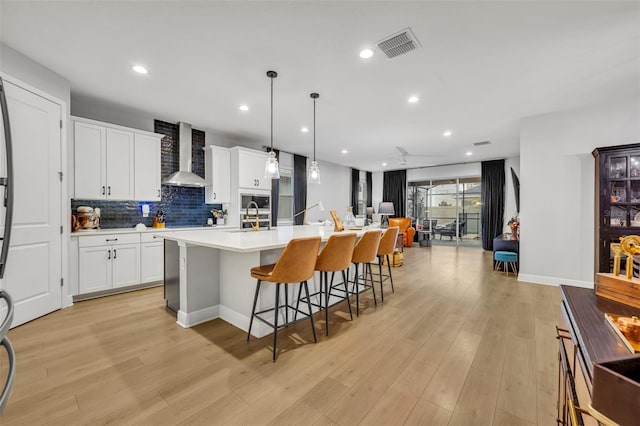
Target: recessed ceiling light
pixel 384 164
pixel 469 153
pixel 304 129
pixel 447 133
pixel 244 107
pixel 344 151
pixel 366 53
pixel 139 69
pixel 413 99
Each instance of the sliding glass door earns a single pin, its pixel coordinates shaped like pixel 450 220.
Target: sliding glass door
pixel 449 209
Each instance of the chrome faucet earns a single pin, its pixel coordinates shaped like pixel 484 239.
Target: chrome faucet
pixel 255 227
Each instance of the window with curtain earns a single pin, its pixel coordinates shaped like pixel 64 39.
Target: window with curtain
pixel 394 189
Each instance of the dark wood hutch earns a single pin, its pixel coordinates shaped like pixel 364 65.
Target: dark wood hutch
pixel 617 201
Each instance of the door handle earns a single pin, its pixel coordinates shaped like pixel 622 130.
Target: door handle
pixel 114 253
pixel 158 193
pixel 103 190
pixel 214 196
pixel 108 190
pixel 109 255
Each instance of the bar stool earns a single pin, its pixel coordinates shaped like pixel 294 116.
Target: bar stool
pixel 386 248
pixel 364 253
pixel 335 257
pixel 295 265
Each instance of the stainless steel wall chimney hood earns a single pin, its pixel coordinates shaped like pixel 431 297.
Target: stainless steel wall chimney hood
pixel 184 176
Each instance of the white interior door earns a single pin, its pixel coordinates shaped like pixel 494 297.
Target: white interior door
pixel 34 265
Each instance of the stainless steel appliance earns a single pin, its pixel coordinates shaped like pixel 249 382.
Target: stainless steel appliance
pixel 259 210
pixel 7 183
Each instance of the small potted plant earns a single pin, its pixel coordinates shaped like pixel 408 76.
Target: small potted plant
pixel 219 215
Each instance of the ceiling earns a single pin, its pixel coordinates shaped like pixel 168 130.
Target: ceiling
pixel 481 67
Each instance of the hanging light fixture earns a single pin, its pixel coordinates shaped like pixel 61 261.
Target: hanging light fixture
pixel 271 169
pixel 314 171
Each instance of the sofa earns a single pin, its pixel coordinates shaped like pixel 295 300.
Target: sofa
pixel 408 231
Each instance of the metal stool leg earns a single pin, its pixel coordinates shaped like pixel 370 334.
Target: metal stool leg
pixel 275 323
pixel 380 275
pixel 286 306
pixel 253 310
pixel 357 291
pixel 345 280
pixel 373 287
pixel 393 290
pixel 327 289
pixel 313 324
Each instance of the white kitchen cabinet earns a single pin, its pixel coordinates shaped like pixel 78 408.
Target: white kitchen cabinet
pixel 250 168
pixel 115 163
pixel 151 258
pixel 217 166
pixel 90 163
pixel 119 164
pixel 108 261
pixel 147 168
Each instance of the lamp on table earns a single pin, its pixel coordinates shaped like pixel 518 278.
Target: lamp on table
pixel 385 209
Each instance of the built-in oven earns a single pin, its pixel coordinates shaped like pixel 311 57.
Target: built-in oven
pixel 262 214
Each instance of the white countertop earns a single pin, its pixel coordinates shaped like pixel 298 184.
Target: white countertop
pixel 148 229
pixel 249 241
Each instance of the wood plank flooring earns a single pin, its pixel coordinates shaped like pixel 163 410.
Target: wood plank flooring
pixel 457 344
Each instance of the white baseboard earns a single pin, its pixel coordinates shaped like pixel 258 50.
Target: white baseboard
pixel 67 301
pixel 554 281
pixel 198 317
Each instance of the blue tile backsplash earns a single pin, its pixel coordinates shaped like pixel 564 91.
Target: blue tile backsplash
pixel 182 206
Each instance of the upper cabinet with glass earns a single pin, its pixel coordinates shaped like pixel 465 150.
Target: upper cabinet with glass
pixel 617 197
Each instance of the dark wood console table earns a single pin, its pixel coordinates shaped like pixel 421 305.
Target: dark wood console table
pixel 593 340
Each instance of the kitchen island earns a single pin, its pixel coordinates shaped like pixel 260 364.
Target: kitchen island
pixel 209 272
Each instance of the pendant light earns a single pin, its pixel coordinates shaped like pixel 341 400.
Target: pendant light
pixel 314 171
pixel 271 169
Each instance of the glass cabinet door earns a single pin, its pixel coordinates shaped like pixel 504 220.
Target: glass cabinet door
pixel 618 168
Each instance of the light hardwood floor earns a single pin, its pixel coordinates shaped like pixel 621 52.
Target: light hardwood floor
pixel 457 344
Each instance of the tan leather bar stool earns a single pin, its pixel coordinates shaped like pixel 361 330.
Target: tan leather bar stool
pixel 295 265
pixel 334 257
pixel 364 253
pixel 386 248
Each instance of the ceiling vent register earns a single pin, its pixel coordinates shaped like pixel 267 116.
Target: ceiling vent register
pixel 398 44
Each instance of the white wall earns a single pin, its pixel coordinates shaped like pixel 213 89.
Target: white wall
pixel 17 65
pixel 444 172
pixel 334 191
pixel 557 188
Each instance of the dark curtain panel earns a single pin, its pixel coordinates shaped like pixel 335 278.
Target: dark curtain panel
pixel 394 189
pixel 275 195
pixel 369 190
pixel 492 201
pixel 355 180
pixel 299 187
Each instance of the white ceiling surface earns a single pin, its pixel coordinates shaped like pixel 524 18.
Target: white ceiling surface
pixel 482 66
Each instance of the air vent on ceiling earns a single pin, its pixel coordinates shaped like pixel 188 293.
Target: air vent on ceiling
pixel 398 44
pixel 482 143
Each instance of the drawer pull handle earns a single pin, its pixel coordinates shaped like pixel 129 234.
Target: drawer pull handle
pixel 111 239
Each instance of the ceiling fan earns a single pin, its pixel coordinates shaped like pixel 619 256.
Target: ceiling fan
pixel 404 154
